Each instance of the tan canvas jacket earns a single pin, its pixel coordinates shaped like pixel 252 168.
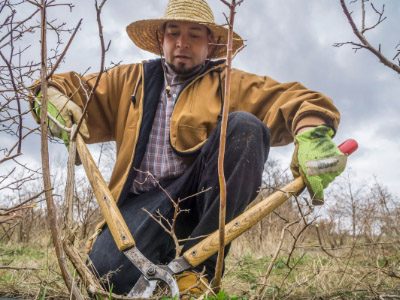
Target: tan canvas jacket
pixel 112 115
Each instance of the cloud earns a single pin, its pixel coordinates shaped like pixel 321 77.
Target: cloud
pixel 288 40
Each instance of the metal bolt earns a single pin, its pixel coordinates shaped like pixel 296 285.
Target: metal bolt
pixel 151 271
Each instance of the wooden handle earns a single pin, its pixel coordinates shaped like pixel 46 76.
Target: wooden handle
pixel 109 209
pixel 210 245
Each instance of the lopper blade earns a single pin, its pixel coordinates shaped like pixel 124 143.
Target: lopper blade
pixel 143 288
pixel 151 274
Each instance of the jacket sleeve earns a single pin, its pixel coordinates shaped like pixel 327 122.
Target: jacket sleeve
pixel 110 99
pixel 281 106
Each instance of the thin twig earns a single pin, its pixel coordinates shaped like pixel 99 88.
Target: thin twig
pixel 364 42
pixel 379 21
pixel 23 203
pixel 18 268
pixel 70 183
pixel 14 85
pixel 321 244
pixel 60 58
pixel 102 62
pixel 263 289
pixel 9 157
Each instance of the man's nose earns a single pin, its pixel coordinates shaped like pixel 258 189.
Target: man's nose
pixel 182 42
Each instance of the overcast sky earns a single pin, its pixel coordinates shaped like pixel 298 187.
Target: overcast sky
pixel 288 40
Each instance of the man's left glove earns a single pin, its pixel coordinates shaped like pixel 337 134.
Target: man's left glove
pixel 313 146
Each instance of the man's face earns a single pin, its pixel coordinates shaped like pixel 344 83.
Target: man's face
pixel 185 45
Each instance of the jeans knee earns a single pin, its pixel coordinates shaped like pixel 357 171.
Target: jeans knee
pixel 246 124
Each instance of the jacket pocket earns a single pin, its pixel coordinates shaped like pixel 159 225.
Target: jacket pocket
pixel 189 138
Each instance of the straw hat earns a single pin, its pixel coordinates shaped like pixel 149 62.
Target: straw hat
pixel 144 32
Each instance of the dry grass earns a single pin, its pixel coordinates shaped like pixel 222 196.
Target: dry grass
pixel 315 276
pixel 357 272
pixel 364 267
pixel 30 272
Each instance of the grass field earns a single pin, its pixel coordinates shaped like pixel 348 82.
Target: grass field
pixel 31 272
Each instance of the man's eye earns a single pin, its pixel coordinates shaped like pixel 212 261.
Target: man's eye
pixel 194 36
pixel 174 33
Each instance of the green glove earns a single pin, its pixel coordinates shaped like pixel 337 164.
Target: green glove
pixel 64 111
pixel 53 127
pixel 315 145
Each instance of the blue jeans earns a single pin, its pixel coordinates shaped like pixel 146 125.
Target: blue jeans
pixel 247 150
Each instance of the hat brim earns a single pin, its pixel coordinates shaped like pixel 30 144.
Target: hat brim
pixel 144 34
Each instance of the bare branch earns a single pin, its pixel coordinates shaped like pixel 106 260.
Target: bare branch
pixel 17 100
pixel 379 21
pixel 267 273
pixel 9 158
pixel 60 58
pixel 22 203
pixel 52 215
pixel 18 268
pixel 222 145
pixel 365 42
pixel 102 60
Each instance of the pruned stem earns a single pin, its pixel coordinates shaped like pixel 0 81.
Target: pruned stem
pixel 51 208
pixel 222 145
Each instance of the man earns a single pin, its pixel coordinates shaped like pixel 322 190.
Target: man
pixel 165 118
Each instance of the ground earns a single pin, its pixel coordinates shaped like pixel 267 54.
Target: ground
pixel 31 272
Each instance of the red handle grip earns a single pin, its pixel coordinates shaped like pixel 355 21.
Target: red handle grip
pixel 348 146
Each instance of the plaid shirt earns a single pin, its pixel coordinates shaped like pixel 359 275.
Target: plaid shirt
pixel 160 161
